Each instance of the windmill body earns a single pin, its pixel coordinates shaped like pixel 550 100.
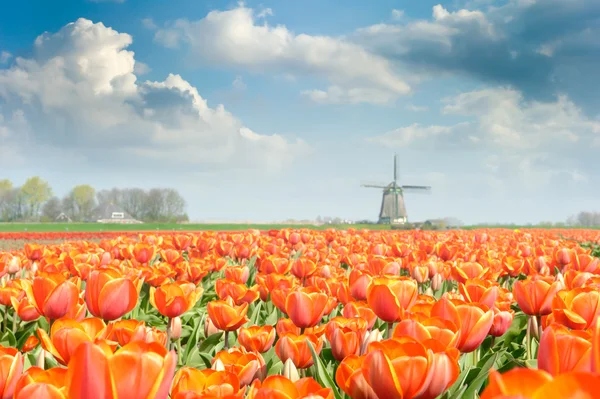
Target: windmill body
pixel 393 207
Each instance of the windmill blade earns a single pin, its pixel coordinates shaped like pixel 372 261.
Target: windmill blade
pixel 396 168
pixel 375 184
pixel 372 186
pixel 416 189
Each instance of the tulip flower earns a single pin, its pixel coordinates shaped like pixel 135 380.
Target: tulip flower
pixel 296 347
pixel 52 295
pixel 534 295
pixel 109 295
pixel 246 365
pixel 66 335
pixel 174 299
pixel 40 383
pixel 562 350
pixel 207 382
pixel 306 308
pixel 137 370
pixel 390 298
pixel 11 367
pixel 257 338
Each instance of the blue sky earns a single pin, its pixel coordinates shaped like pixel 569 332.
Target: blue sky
pixel 268 110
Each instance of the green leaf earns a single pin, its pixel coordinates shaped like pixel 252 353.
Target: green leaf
pixel 8 339
pixel 484 370
pixel 210 342
pixel 322 376
pixel 192 341
pixel 26 331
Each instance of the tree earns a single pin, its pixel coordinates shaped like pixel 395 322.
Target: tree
pixel 35 192
pixel 133 201
pixel 84 199
pixel 6 189
pixel 51 209
pixel 174 204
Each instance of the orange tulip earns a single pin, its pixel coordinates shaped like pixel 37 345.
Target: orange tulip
pixel 562 350
pixel 344 340
pixel 239 292
pixel 66 335
pixel 577 309
pixel 190 381
pixel 246 365
pixel 11 367
pixel 397 368
pixel 482 291
pixel 52 295
pixel 40 383
pixel 24 309
pixel 257 338
pixel 390 298
pixel 109 295
pixel 534 295
pixel 279 387
pixel 518 383
pixel 350 378
pixel 295 347
pixel 443 331
pixel 306 308
pixel 226 316
pixel 174 299
pixel 137 370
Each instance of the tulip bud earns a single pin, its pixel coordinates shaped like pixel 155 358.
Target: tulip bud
pixel 532 325
pixel 210 328
pixel 290 371
pixel 14 265
pixel 41 358
pixel 421 274
pixel 372 336
pixel 561 281
pixel 563 257
pixel 218 365
pixel 175 328
pixel 34 267
pixel 325 271
pixel 502 322
pixel 436 282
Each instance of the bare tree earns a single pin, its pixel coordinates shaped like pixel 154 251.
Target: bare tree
pixel 133 201
pixel 174 204
pixel 51 209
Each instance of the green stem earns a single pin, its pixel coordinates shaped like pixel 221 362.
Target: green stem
pixel 388 333
pixel 226 346
pixel 169 332
pixel 528 339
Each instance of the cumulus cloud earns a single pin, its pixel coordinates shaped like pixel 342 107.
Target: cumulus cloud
pixel 234 38
pixel 539 47
pixel 78 95
pixel 540 142
pixel 5 56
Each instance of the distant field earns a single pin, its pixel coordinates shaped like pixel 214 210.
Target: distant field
pixel 94 227
pixel 97 227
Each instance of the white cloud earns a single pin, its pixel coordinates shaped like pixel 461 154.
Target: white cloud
pixel 339 95
pixel 397 14
pixel 79 94
pixel 537 143
pixel 234 38
pixel 416 108
pixel 141 68
pixel 5 56
pixel 149 24
pixel 405 136
pixel 238 83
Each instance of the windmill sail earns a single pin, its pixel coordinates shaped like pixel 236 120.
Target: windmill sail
pixel 393 207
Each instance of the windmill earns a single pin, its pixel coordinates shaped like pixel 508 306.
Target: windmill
pixel 393 208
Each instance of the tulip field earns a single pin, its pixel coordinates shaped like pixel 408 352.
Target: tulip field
pixel 298 313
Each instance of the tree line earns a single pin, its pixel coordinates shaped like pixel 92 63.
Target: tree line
pixel 35 201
